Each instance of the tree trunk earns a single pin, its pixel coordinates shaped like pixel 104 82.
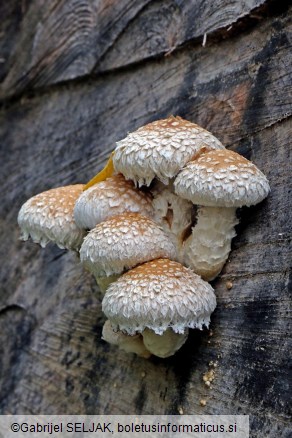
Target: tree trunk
pixel 76 77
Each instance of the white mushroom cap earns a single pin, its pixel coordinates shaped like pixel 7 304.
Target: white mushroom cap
pixel 123 242
pixel 130 344
pixel 222 179
pixel 158 295
pixel 161 149
pixel 108 198
pixel 48 216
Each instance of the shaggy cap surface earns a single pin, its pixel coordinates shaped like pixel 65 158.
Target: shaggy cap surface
pixel 158 295
pixel 48 217
pixel 108 198
pixel 222 179
pixel 123 242
pixel 161 149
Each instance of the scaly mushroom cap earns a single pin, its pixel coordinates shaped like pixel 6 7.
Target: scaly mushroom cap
pixel 222 179
pixel 158 295
pixel 161 149
pixel 108 198
pixel 48 216
pixel 123 242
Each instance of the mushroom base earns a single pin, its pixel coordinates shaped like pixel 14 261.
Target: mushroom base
pixel 164 345
pixel 130 344
pixel 209 245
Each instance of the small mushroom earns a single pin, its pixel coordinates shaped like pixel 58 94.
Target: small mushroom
pixel 122 242
pixel 161 149
pixel 164 345
pixel 160 296
pixel 218 182
pixel 48 217
pixel 108 198
pixel 130 344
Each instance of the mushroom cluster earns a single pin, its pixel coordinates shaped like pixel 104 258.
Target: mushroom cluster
pixel 153 227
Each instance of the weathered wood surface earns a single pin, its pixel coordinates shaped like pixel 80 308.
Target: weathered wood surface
pixel 239 87
pixel 62 40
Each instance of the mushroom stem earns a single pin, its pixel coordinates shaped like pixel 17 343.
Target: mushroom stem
pixel 207 248
pixel 164 345
pixel 130 344
pixel 172 213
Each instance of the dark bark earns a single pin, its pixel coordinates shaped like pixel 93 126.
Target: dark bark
pixel 70 90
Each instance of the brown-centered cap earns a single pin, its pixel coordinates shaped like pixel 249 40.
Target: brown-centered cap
pixel 158 295
pixel 161 149
pixel 222 179
pixel 123 242
pixel 48 217
pixel 108 198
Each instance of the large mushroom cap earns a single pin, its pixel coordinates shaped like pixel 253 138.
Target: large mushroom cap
pixel 108 198
pixel 48 216
pixel 123 242
pixel 158 295
pixel 222 179
pixel 161 149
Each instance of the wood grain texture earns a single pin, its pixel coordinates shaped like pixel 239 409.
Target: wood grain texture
pixel 52 359
pixel 62 40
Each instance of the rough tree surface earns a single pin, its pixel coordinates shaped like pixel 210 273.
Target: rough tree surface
pixel 76 77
